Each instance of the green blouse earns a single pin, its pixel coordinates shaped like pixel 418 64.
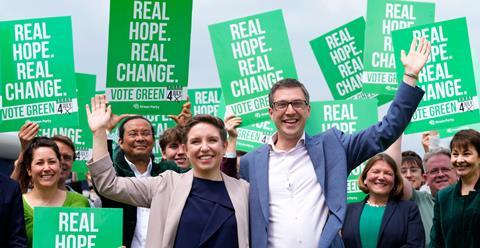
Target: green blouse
pixel 370 221
pixel 73 199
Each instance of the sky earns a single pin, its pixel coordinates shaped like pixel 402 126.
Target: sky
pixel 305 20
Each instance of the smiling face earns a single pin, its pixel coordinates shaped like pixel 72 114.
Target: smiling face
pixel 205 148
pixel 380 179
pixel 137 141
pixel 175 151
pixel 440 172
pixel 290 122
pixel 45 168
pixel 413 173
pixel 465 160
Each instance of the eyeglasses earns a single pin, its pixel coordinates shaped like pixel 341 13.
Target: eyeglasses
pixel 134 134
pixel 437 171
pixel 296 104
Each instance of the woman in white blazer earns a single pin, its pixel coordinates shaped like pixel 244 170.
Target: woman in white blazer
pixel 201 208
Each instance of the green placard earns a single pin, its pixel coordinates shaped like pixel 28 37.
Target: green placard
pixel 348 116
pixel 383 17
pixel 250 136
pixel 339 54
pixel 252 53
pixel 148 55
pixel 37 73
pixel 450 98
pixel 254 135
pixel 81 134
pixel 205 101
pixel 77 227
pixel 476 72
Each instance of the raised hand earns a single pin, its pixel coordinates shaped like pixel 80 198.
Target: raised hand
pixel 426 141
pixel 231 124
pixel 99 116
pixel 186 114
pixel 27 132
pixel 417 56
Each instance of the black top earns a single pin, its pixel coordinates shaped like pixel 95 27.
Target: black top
pixel 208 218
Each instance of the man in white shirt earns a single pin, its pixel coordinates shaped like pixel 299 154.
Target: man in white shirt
pixel 297 182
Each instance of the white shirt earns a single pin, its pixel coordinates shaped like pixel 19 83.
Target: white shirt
pixel 140 236
pixel 298 211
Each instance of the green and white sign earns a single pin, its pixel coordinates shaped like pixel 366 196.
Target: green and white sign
pixel 383 17
pixel 254 135
pixel 349 116
pixel 205 101
pixel 250 136
pixel 450 98
pixel 80 135
pixel 148 55
pixel 339 54
pixel 476 72
pixel 77 227
pixel 252 53
pixel 37 73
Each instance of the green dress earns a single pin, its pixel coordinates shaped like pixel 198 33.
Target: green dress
pixel 370 221
pixel 73 199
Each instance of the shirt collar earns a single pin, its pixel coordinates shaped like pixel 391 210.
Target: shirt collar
pixel 273 139
pixel 134 168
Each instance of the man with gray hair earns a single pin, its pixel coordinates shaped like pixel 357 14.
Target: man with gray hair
pixel 439 173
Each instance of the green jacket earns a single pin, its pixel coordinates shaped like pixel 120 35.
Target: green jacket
pixel 130 212
pixel 456 220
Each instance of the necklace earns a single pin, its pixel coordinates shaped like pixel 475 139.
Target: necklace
pixel 376 205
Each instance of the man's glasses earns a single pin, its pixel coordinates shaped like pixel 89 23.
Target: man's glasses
pixel 437 171
pixel 296 104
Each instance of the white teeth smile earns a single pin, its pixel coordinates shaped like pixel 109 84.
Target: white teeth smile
pixel 206 157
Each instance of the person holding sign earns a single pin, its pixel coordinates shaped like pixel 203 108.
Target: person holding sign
pixel 382 219
pixel 202 207
pixel 40 166
pixel 457 207
pixel 297 182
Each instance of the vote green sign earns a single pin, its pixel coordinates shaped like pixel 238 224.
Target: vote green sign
pixel 37 73
pixel 205 101
pixel 476 72
pixel 339 54
pixel 349 116
pixel 383 17
pixel 450 98
pixel 254 135
pixel 250 136
pixel 80 135
pixel 148 55
pixel 77 227
pixel 252 53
